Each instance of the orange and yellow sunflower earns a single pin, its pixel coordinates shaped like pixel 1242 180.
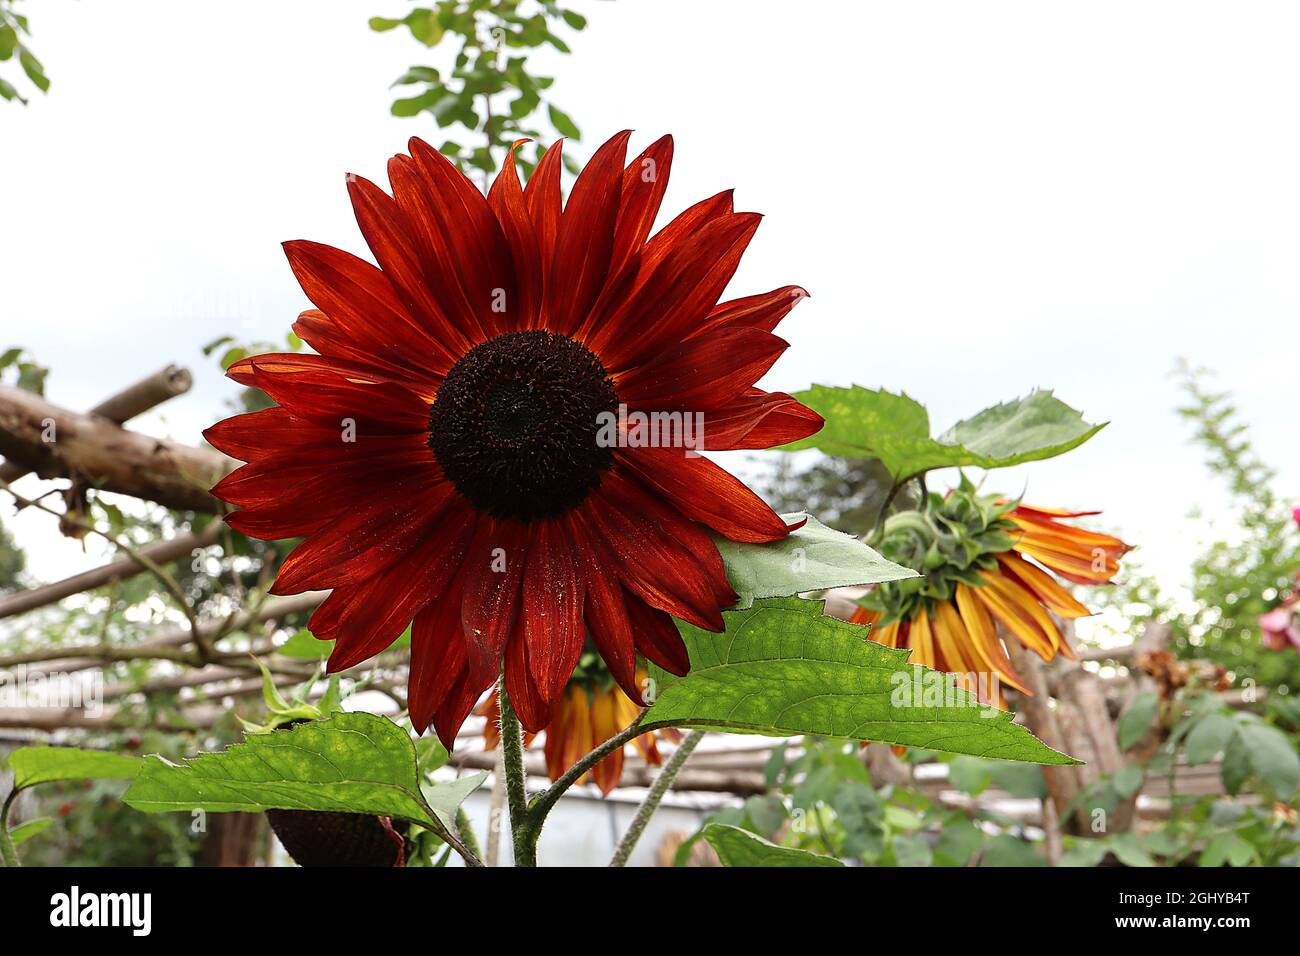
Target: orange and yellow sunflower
pixel 987 561
pixel 592 710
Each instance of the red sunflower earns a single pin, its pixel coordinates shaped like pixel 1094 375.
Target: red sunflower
pixel 442 454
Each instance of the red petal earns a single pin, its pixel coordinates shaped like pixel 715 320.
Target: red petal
pixel 341 474
pixel 542 196
pixel 257 434
pixel 672 285
pixel 607 620
pixel 672 302
pixel 644 182
pixel 533 710
pixel 585 239
pixel 702 373
pixel 334 394
pixel 763 311
pixel 660 555
pixel 759 419
pixel 440 677
pixel 479 254
pixel 507 200
pixel 401 246
pixel 657 637
pixel 366 619
pixel 494 571
pixel 707 494
pixel 364 318
pixel 362 543
pixel 552 599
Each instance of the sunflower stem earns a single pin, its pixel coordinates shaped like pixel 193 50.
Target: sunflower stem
pixel 523 836
pixel 543 802
pixel 8 852
pixel 661 786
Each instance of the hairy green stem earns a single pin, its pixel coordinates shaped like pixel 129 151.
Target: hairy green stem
pixel 661 786
pixel 523 836
pixel 8 852
pixel 465 831
pixel 543 802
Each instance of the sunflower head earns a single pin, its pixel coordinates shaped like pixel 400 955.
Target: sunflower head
pixel 987 561
pixel 446 452
pixel 952 539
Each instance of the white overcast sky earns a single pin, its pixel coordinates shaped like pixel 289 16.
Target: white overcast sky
pixel 982 198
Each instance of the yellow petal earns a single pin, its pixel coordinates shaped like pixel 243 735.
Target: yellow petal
pixel 1058 600
pixel 984 637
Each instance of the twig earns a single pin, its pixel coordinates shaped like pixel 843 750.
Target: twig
pixel 652 800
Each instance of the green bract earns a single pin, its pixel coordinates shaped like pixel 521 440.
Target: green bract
pixel 951 539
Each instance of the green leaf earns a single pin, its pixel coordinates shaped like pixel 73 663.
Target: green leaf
pixel 303 646
pixel 912 851
pixel 1019 780
pixel 1209 737
pixel 970 775
pixel 1130 851
pixel 1006 850
pixel 1032 428
pixel 381 24
pixel 1128 780
pixel 783 668
pixel 1236 765
pixel 868 423
pixel 861 815
pixel 355 763
pixel 563 125
pixel 35 72
pixel 1226 848
pixel 1272 758
pixel 36 765
pixel 444 798
pixel 1084 853
pixel 25 831
pixel 959 840
pixel 1136 720
pixel 811 559
pixel 737 847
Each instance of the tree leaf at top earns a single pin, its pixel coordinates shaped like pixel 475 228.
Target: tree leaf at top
pixel 870 423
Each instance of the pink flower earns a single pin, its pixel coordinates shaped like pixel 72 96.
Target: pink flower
pixel 1280 626
pixel 1295 513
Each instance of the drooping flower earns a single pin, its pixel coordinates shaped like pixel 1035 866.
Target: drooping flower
pixel 592 710
pixel 986 562
pixel 447 455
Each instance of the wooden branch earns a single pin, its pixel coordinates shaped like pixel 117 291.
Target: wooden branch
pixel 1062 782
pixel 97 452
pixel 127 404
pixel 166 643
pixel 161 552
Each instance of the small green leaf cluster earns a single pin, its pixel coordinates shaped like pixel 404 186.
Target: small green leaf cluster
pixel 13 27
pixel 492 60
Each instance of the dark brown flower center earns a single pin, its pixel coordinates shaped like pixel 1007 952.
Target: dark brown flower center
pixel 515 424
